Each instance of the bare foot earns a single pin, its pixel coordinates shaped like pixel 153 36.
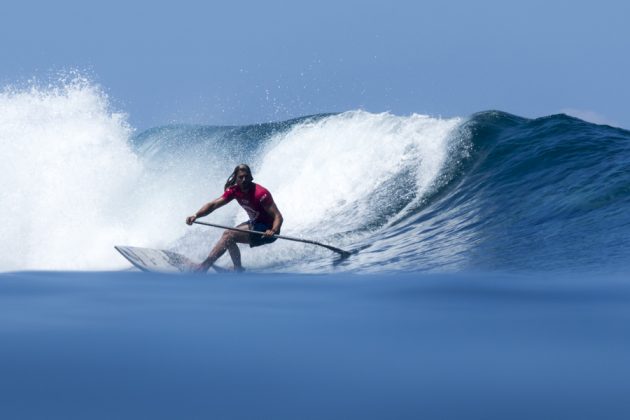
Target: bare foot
pixel 199 268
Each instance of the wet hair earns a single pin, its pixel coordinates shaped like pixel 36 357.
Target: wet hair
pixel 231 181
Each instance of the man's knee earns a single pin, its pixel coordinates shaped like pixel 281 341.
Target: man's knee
pixel 228 237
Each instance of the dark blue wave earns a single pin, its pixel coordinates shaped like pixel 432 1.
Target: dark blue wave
pixel 547 193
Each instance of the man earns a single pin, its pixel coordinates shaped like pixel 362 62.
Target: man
pixel 263 213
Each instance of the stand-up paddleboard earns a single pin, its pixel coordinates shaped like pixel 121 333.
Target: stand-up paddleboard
pixel 159 261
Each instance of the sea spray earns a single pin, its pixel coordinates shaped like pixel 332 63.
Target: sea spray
pixel 71 180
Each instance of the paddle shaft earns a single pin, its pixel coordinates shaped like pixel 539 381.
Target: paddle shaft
pixel 288 238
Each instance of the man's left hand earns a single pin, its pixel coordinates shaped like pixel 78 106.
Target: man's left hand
pixel 269 233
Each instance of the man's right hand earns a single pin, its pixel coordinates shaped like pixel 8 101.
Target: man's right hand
pixel 191 219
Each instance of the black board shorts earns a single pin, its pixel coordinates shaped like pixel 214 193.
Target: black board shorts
pixel 256 239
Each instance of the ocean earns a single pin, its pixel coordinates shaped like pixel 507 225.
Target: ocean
pixel 488 276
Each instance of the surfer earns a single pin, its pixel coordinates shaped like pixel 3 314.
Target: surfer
pixel 263 213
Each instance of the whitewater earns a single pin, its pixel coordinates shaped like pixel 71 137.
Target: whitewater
pixel 79 180
pixel 489 275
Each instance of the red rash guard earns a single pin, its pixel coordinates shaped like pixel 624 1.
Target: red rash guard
pixel 253 201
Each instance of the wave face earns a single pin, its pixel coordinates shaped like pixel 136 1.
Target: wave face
pixel 408 193
pixel 542 194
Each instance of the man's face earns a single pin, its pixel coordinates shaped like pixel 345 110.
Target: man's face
pixel 242 180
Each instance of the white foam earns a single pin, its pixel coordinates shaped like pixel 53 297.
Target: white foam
pixel 71 185
pixel 324 173
pixel 340 173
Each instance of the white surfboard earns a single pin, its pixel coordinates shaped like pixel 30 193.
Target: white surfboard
pixel 159 261
pixel 156 260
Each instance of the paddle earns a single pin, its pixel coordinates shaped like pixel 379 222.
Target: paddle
pixel 344 254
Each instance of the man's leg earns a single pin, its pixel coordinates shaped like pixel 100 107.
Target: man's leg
pixel 235 254
pixel 228 242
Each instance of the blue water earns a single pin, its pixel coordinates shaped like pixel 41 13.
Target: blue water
pixel 489 275
pixel 487 346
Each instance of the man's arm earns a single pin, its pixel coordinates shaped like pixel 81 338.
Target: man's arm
pixel 206 209
pixel 277 219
